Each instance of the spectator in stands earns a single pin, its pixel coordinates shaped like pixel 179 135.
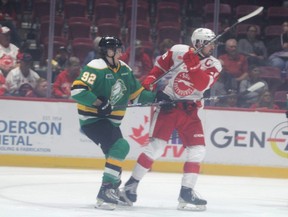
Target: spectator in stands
pixel 41 88
pixel 235 65
pixel 8 51
pixel 281 86
pixel 60 61
pixel 278 48
pixel 63 82
pixel 265 101
pixel 3 87
pixel 94 54
pixel 229 101
pixel 7 9
pixel 253 77
pixel 25 90
pixel 20 78
pixel 164 46
pixel 8 17
pixel 218 89
pixel 253 48
pixel 143 62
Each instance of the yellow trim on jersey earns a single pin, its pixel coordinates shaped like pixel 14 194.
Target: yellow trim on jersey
pixel 79 82
pixel 118 113
pixel 86 108
pixel 135 94
pixel 115 70
pixel 94 110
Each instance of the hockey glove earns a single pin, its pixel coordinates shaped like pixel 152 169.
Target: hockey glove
pixel 148 81
pixel 104 109
pixel 164 100
pixel 191 60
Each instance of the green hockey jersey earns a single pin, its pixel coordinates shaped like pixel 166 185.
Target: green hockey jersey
pixel 116 84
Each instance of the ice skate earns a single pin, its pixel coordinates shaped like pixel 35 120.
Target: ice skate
pixel 128 194
pixel 107 197
pixel 188 200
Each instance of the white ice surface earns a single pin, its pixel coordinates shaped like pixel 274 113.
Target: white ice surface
pixel 38 192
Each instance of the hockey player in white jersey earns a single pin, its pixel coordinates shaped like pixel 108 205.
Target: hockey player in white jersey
pixel 184 90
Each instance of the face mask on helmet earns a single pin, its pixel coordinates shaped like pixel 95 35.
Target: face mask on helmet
pixel 201 36
pixel 109 43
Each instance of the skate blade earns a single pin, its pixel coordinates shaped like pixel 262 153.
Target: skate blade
pixel 100 204
pixel 191 207
pixel 124 201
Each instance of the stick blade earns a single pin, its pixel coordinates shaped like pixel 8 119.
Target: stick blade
pixel 256 86
pixel 252 14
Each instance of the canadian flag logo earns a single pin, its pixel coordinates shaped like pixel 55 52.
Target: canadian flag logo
pixel 141 133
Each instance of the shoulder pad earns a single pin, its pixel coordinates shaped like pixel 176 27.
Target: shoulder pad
pixel 180 48
pixel 216 63
pixel 97 64
pixel 125 64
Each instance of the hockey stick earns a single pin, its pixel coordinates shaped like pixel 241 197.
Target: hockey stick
pixel 241 19
pixel 253 88
pixel 141 105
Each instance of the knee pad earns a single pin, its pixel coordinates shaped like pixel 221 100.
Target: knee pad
pixel 195 153
pixel 155 149
pixel 119 149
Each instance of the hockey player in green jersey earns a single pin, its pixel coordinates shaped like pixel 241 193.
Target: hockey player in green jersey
pixel 103 90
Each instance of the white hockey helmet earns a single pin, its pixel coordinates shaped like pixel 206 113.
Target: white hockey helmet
pixel 201 35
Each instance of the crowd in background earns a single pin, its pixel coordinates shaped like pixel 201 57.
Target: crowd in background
pixel 246 60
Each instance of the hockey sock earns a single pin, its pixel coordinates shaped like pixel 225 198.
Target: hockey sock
pixel 114 160
pixel 144 163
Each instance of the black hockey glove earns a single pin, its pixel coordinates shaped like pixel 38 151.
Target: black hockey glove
pixel 164 100
pixel 104 109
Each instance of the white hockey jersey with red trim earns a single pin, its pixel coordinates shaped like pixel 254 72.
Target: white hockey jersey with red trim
pixel 180 84
pixel 8 57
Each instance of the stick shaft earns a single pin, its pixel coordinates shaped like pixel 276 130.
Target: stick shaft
pixel 216 38
pixel 253 88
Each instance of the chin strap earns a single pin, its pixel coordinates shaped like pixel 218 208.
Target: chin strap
pixel 105 55
pixel 113 66
pixel 200 54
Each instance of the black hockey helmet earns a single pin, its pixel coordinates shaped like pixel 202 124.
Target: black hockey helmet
pixel 109 42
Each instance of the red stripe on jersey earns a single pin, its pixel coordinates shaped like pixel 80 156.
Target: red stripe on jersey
pixel 166 61
pixel 191 167
pixel 145 161
pixel 214 73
